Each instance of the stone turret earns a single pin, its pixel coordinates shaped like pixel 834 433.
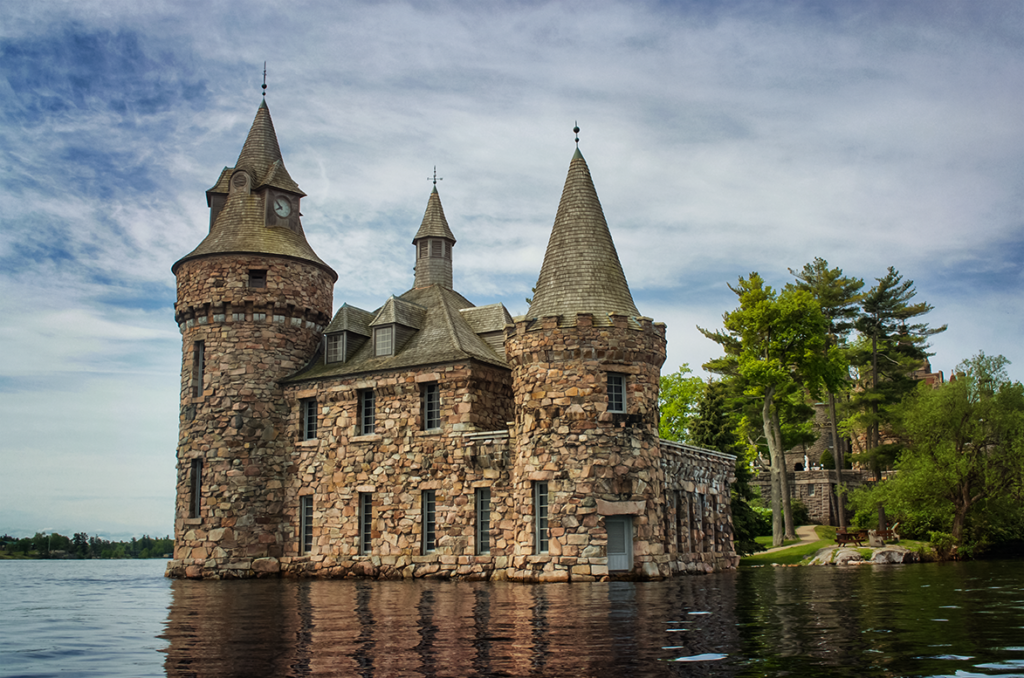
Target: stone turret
pixel 253 300
pixel 585 372
pixel 434 242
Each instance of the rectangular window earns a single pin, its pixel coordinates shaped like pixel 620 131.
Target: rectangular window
pixel 365 523
pixel 237 317
pixel 305 524
pixel 424 249
pixel 257 278
pixel 431 406
pixel 483 520
pixel 336 348
pixel 308 411
pixel 429 521
pixel 680 525
pixel 383 341
pixel 198 367
pixel 437 249
pixel 195 489
pixel 259 317
pixel 367 405
pixel 616 392
pixel 540 516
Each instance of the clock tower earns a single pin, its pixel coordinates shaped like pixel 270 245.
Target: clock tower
pixel 253 301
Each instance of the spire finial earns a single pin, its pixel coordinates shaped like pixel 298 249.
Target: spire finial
pixel 435 177
pixel 264 79
pixel 576 131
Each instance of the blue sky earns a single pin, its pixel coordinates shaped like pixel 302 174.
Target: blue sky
pixel 723 138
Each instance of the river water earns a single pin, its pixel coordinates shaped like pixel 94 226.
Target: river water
pixel 122 618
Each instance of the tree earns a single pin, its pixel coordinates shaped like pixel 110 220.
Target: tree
pixel 894 349
pixel 711 428
pixel 963 468
pixel 772 342
pixel 838 297
pixel 678 398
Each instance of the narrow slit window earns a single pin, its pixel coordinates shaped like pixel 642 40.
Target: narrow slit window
pixel 483 520
pixel 367 414
pixel 540 516
pixel 429 521
pixel 198 367
pixel 195 489
pixel 365 523
pixel 305 524
pixel 308 413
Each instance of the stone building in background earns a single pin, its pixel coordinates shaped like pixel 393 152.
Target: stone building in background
pixel 428 437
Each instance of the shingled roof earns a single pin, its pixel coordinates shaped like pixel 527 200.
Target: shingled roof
pixel 240 225
pixel 434 224
pixel 444 336
pixel 581 271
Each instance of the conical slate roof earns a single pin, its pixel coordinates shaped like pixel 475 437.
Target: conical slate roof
pixel 434 224
pixel 240 226
pixel 261 155
pixel 581 271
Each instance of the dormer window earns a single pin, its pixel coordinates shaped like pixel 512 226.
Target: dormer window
pixel 336 348
pixel 384 340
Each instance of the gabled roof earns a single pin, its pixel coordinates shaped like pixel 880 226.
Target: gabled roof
pixel 445 336
pixel 581 271
pixel 401 311
pixel 351 319
pixel 434 224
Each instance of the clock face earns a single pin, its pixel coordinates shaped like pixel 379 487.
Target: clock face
pixel 282 206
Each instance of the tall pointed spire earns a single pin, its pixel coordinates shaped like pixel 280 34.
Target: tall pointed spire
pixel 581 271
pixel 261 155
pixel 434 242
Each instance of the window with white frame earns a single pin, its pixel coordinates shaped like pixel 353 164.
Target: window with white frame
pixel 305 524
pixel 431 395
pixel 616 392
pixel 483 520
pixel 307 409
pixel 384 341
pixel 429 521
pixel 540 516
pixel 367 414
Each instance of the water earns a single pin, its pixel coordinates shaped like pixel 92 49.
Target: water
pixel 122 618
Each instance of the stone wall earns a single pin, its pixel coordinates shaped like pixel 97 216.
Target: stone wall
pixel 235 420
pixel 814 489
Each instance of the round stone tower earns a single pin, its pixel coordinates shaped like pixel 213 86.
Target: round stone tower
pixel 253 300
pixel 587 477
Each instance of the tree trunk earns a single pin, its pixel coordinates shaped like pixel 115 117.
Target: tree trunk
pixel 881 519
pixel 837 459
pixel 778 468
pixel 872 432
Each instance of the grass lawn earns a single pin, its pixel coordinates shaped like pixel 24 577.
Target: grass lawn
pixel 826 538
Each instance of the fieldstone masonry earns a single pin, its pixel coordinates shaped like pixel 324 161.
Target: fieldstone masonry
pixel 293 463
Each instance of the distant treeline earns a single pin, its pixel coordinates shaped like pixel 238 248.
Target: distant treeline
pixel 81 546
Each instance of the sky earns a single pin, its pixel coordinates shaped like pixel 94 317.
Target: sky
pixel 723 138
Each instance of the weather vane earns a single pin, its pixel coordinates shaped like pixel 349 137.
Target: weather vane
pixel 435 177
pixel 576 131
pixel 264 79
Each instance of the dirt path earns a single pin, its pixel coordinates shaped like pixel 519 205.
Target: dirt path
pixel 805 532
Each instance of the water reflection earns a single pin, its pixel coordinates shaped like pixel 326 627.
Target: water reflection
pixel 886 621
pixel 363 628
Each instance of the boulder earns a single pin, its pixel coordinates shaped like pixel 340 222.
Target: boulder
pixel 848 557
pixel 895 555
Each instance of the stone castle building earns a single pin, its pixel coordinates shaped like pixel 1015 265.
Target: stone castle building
pixel 428 437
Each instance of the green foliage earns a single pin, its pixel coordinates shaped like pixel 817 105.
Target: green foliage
pixel 828 461
pixel 943 543
pixel 81 545
pixel 801 516
pixel 678 398
pixel 962 471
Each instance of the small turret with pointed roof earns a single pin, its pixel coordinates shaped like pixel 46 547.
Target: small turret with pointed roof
pixel 581 271
pixel 434 242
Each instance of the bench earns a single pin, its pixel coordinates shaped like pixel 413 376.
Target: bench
pixel 857 537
